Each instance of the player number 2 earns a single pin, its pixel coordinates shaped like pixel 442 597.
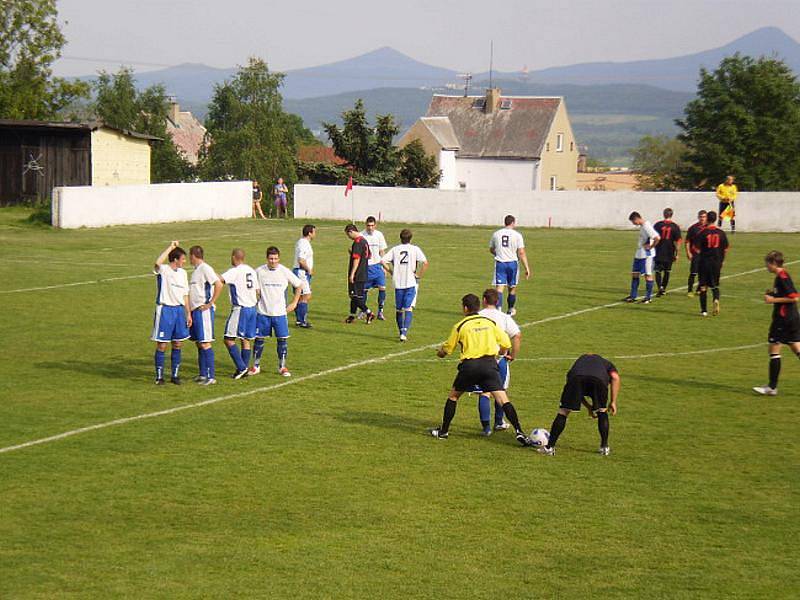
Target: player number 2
pixel 404 257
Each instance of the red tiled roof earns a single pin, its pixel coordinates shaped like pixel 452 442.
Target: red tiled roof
pixel 323 154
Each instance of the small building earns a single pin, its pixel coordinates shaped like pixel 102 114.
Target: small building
pixel 187 133
pixel 499 142
pixel 36 156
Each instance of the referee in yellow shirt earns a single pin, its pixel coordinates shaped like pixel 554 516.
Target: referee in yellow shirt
pixel 481 341
pixel 726 194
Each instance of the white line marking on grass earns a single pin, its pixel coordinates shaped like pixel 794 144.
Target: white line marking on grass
pixel 74 284
pixel 276 386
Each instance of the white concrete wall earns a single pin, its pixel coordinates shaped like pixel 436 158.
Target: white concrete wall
pixel 492 174
pixel 87 206
pixel 755 211
pixel 447 165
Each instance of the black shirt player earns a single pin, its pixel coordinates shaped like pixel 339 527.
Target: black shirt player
pixel 357 274
pixel 692 251
pixel 590 376
pixel 785 327
pixel 713 246
pixel 667 249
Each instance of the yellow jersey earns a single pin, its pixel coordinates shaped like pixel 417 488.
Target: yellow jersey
pixel 727 193
pixel 478 336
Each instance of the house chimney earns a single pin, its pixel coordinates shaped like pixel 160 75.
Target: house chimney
pixel 174 109
pixel 492 101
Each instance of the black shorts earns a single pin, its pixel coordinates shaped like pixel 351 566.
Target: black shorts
pixel 481 373
pixel 663 265
pixel 579 387
pixel 356 289
pixel 784 332
pixel 708 273
pixel 695 264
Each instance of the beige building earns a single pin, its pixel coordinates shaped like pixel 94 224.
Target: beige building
pixel 119 157
pixel 499 142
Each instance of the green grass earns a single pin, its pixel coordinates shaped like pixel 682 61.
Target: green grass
pixel 329 487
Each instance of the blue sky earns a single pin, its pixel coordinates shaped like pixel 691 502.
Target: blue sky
pixel 455 34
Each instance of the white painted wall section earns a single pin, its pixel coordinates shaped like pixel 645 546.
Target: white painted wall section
pixel 755 211
pixel 447 165
pixel 492 174
pixel 87 206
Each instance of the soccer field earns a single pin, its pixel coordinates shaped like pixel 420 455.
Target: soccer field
pixel 326 485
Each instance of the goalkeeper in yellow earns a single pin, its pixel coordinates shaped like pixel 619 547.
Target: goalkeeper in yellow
pixel 726 194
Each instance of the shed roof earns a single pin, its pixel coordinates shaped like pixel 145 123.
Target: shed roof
pixel 517 132
pixel 30 125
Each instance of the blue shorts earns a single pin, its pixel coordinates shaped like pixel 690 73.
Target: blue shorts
pixel 376 277
pixel 643 265
pixel 305 289
pixel 404 298
pixel 202 329
pixel 266 325
pixel 169 324
pixel 506 273
pixel 505 375
pixel 241 323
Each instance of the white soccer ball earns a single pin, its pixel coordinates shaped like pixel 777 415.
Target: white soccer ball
pixel 540 437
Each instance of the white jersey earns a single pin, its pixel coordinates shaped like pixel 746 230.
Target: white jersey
pixel 304 251
pixel 376 243
pixel 172 285
pixel 273 284
pixel 242 284
pixel 646 232
pixel 502 320
pixel 404 260
pixel 505 243
pixel 201 285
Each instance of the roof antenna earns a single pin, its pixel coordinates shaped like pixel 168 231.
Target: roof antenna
pixel 491 62
pixel 467 77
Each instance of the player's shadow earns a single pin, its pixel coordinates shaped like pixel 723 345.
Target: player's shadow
pixel 385 421
pixel 127 369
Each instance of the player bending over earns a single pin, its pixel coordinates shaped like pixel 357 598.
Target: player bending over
pixel 590 376
pixel 241 324
pixel 204 289
pixel 713 245
pixel 402 262
pixel 785 327
pixel 506 323
pixel 643 258
pixel 481 341
pixel 173 318
pixel 273 279
pixel 508 249
pixel 666 250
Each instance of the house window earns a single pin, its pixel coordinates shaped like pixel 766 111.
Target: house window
pixel 560 142
pixel 571 146
pixel 553 183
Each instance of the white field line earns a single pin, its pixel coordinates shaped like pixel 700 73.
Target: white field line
pixel 276 386
pixel 620 357
pixel 74 284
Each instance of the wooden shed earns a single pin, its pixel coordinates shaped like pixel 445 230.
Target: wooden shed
pixel 36 156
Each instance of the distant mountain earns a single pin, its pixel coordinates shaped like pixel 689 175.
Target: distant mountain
pixel 678 73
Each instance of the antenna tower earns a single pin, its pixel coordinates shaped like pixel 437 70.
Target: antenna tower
pixel 467 77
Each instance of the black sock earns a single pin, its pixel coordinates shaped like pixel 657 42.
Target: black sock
pixel 691 282
pixel 665 281
pixel 556 428
pixel 602 427
pixel 774 370
pixel 449 413
pixel 353 307
pixel 703 301
pixel 715 293
pixel 658 279
pixel 511 415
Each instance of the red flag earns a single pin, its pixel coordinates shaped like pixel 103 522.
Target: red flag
pixel 349 186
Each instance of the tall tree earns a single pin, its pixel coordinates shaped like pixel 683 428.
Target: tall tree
pixel 30 42
pixel 659 163
pixel 249 134
pixel 369 151
pixel 120 105
pixel 745 122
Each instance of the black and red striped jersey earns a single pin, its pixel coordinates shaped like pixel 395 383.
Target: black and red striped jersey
pixel 691 237
pixel 712 243
pixel 670 235
pixel 784 288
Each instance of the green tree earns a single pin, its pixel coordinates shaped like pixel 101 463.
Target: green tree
pixel 119 104
pixel 30 42
pixel 745 121
pixel 659 163
pixel 369 151
pixel 249 134
pixel 417 169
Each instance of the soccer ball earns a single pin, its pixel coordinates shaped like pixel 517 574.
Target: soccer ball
pixel 540 437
